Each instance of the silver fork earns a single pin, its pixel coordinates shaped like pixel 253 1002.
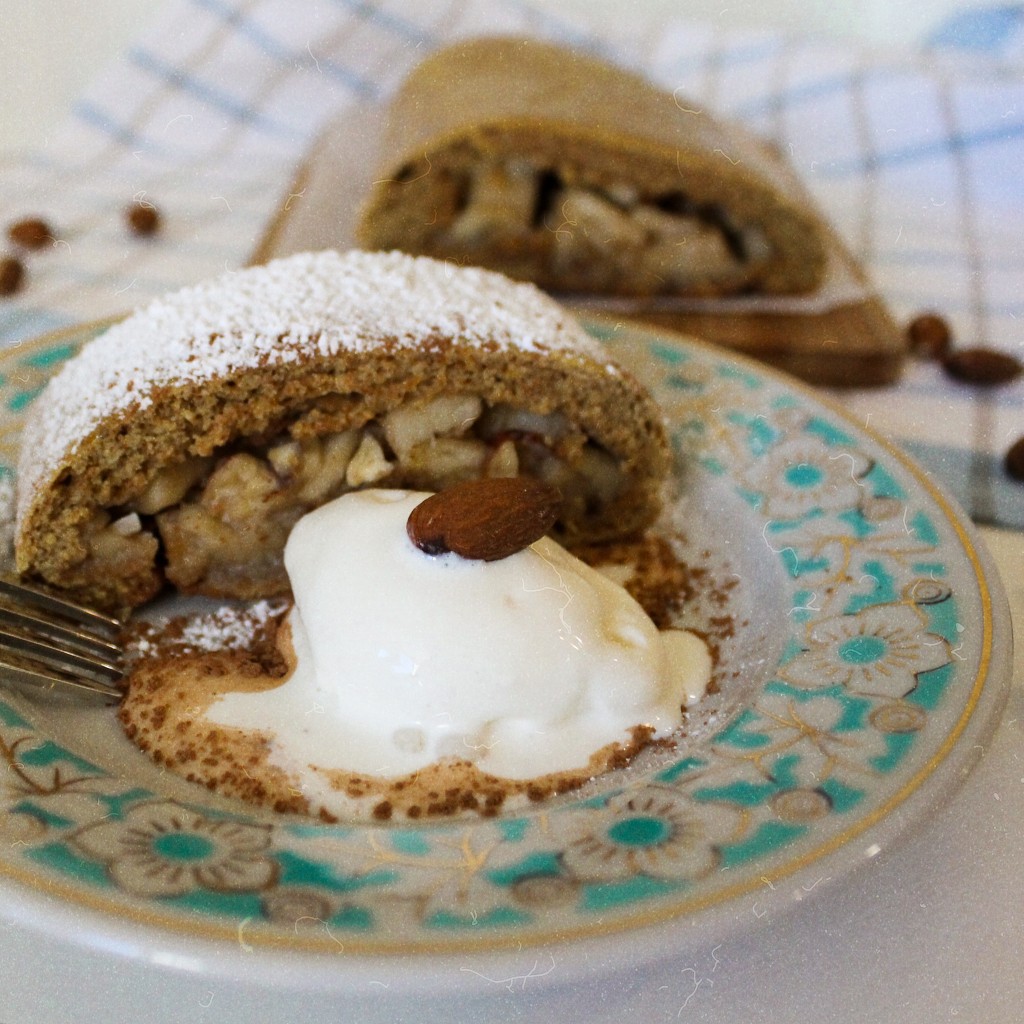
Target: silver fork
pixel 50 644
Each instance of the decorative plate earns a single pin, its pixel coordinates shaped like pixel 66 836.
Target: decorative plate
pixel 869 648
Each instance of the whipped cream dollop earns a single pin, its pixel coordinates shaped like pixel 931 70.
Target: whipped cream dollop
pixel 523 666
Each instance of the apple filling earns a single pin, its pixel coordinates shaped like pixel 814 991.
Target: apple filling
pixel 594 236
pixel 218 525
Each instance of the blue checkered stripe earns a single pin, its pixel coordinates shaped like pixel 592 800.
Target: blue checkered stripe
pixel 916 160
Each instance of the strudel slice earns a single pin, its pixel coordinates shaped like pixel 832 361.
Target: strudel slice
pixel 555 167
pixel 183 444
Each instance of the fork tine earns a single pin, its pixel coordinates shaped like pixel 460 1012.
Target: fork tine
pixel 49 682
pixel 104 624
pixel 60 633
pixel 59 657
pixel 57 645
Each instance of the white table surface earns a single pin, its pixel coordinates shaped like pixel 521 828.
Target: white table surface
pixel 931 931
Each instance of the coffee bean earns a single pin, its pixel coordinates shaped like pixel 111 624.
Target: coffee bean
pixel 984 366
pixel 929 336
pixel 143 218
pixel 31 233
pixel 1014 460
pixel 12 273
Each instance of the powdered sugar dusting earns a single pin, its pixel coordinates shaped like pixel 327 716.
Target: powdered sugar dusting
pixel 228 628
pixel 309 303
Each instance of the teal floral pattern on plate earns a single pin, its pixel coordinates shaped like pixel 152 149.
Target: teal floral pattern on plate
pixel 888 631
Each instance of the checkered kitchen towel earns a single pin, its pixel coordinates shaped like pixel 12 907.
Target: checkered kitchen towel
pixel 916 157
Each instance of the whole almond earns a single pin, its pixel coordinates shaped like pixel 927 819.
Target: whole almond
pixel 984 366
pixel 12 273
pixel 929 336
pixel 30 233
pixel 485 519
pixel 143 218
pixel 1014 460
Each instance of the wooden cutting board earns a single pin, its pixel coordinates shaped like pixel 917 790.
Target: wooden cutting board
pixel 852 341
pixel 841 335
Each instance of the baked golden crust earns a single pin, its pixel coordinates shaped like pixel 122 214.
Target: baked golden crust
pixel 199 441
pixel 552 166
